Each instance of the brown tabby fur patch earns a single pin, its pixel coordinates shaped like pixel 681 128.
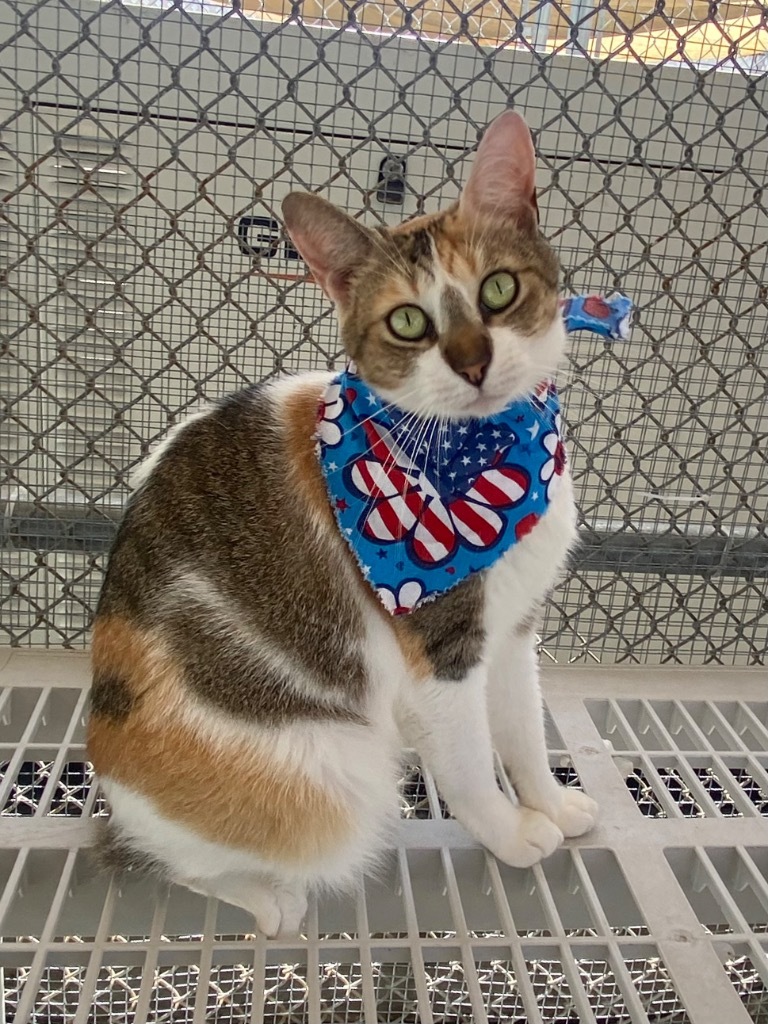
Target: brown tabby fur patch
pixel 450 629
pixel 222 503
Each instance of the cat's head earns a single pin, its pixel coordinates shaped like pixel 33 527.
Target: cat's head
pixel 452 314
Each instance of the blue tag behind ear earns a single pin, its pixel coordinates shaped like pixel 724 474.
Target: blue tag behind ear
pixel 607 316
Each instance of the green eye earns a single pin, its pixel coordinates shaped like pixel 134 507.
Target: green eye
pixel 408 322
pixel 498 290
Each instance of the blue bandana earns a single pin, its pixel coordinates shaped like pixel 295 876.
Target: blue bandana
pixel 425 503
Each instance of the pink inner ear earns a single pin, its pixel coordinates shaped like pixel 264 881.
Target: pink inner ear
pixel 332 244
pixel 318 249
pixel 502 182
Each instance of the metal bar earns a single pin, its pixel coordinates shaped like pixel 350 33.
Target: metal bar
pixel 44 803
pixel 314 1006
pixel 578 995
pixel 687 952
pixel 12 768
pixel 259 979
pixel 533 1014
pixel 620 551
pixel 417 960
pixel 149 965
pixel 94 961
pixel 206 962
pixel 616 959
pixel 366 966
pixel 467 955
pixel 30 991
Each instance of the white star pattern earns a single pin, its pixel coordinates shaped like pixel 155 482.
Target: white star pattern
pixel 496 434
pixel 466 460
pixel 373 400
pixel 462 430
pixel 482 447
pixel 332 467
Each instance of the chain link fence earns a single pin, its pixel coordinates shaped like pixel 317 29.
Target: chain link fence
pixel 144 150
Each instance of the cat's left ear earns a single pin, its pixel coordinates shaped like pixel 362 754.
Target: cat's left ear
pixel 333 245
pixel 502 182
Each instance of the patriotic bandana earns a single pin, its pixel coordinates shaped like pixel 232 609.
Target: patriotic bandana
pixel 425 503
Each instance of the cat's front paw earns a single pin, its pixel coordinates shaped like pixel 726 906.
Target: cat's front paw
pixel 577 813
pixel 534 837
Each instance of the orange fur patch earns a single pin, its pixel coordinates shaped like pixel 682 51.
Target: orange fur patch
pixel 117 648
pixel 299 411
pixel 412 648
pixel 123 652
pixel 452 236
pixel 407 227
pixel 233 795
pixel 393 293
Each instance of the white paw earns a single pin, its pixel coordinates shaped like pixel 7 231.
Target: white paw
pixel 534 838
pixel 266 911
pixel 293 909
pixel 577 814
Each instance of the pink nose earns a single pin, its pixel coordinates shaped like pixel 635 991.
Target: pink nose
pixel 475 374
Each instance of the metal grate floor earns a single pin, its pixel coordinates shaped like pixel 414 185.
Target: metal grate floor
pixel 660 915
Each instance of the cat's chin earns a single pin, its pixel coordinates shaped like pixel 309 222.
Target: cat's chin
pixel 484 406
pixel 450 399
pixel 478 406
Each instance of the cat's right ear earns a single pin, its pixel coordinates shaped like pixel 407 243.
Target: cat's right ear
pixel 332 244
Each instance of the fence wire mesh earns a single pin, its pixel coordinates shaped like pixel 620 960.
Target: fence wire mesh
pixel 144 149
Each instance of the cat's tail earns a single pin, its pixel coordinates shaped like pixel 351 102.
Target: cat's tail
pixel 114 852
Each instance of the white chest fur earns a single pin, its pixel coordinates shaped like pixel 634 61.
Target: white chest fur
pixel 521 580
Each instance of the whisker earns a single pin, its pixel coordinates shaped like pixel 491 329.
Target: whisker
pixel 370 448
pixel 424 426
pixel 378 412
pixel 386 465
pixel 403 445
pixel 395 258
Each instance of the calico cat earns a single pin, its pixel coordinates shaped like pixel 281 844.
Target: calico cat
pixel 255 676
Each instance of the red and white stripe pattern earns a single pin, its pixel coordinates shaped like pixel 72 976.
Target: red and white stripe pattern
pixel 393 484
pixel 403 501
pixel 477 524
pixel 392 519
pixel 500 488
pixel 434 538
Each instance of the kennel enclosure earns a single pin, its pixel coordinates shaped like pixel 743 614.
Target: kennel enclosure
pixel 144 149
